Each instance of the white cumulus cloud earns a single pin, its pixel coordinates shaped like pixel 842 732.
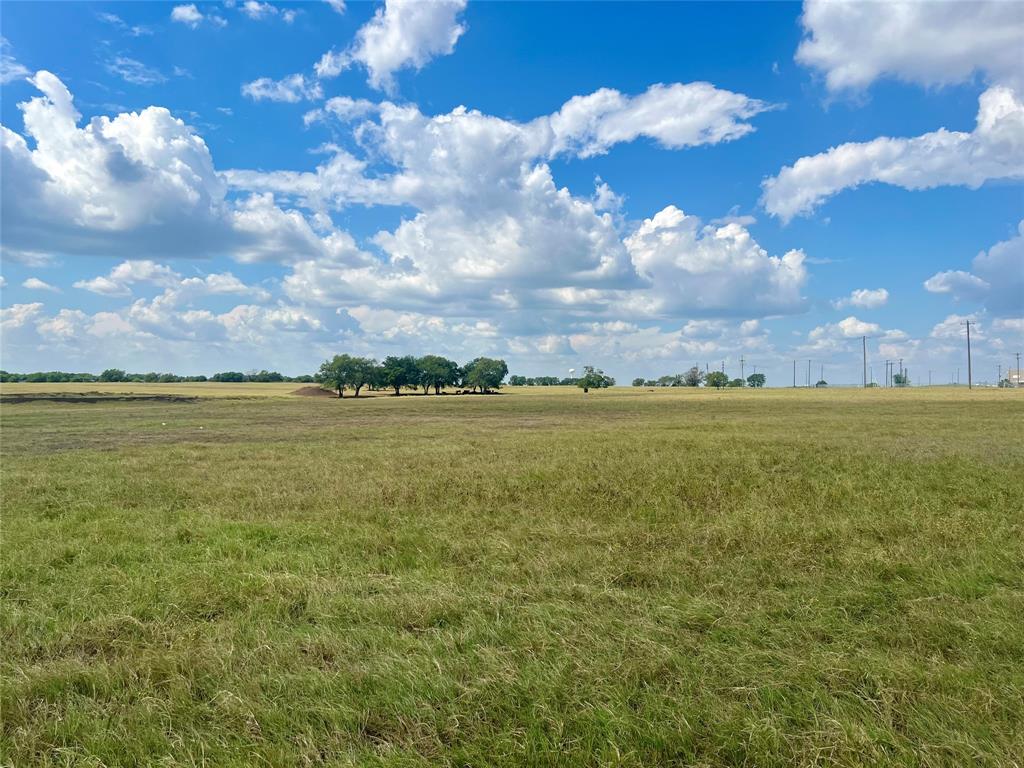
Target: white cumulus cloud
pixel 996 278
pixel 403 34
pixel 35 284
pixel 993 150
pixel 694 269
pixel 932 43
pixel 865 298
pixel 139 183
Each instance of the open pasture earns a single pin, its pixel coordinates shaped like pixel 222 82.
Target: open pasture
pixel 627 578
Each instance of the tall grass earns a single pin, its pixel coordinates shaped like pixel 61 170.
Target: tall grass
pixel 542 578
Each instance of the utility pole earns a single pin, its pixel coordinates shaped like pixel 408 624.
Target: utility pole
pixel 742 361
pixel 808 374
pixel 794 374
pixel 970 382
pixel 902 380
pixel 864 357
pixel 822 376
pixel 1018 369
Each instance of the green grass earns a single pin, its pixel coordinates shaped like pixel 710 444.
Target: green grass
pixel 627 578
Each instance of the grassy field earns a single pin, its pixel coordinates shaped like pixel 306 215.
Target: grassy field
pixel 627 578
pixel 187 389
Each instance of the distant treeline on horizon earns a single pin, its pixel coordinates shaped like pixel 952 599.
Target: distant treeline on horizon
pixel 115 375
pixel 405 372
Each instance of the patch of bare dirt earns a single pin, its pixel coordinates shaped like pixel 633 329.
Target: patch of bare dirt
pixel 314 392
pixel 92 397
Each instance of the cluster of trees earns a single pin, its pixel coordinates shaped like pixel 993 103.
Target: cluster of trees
pixel 342 372
pixel 594 378
pixel 695 377
pixel 542 381
pixel 118 375
pixel 261 377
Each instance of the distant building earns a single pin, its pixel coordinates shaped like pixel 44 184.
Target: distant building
pixel 1016 376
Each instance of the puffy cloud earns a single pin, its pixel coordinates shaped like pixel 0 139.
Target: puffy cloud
pixel 124 276
pixel 64 325
pixel 127 274
pixel 954 327
pixel 338 6
pixel 138 183
pixel 35 284
pixel 677 115
pixel 699 270
pixel 865 298
pixel 851 326
pixel 284 336
pixel 494 234
pixel 17 315
pixel 993 150
pixel 389 325
pixel 996 278
pixel 139 170
pixel 344 108
pixel 332 64
pixel 655 351
pixel 840 337
pixel 268 233
pixel 407 33
pixel 10 69
pixel 289 89
pixel 470 157
pixel 962 284
pixel 931 43
pixel 190 16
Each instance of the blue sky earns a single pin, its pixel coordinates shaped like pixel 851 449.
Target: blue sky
pixel 640 187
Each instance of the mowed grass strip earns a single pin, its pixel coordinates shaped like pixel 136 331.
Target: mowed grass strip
pixel 539 578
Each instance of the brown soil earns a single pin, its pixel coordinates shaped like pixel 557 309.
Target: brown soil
pixel 314 392
pixel 91 397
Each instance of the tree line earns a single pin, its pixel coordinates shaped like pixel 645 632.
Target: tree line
pixel 481 375
pixel 347 372
pixel 116 375
pixel 541 381
pixel 695 377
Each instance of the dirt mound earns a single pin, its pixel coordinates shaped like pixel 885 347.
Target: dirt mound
pixel 314 392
